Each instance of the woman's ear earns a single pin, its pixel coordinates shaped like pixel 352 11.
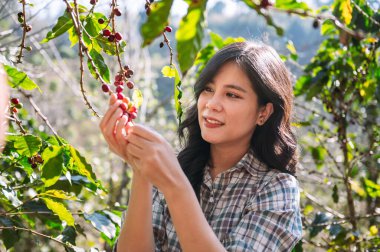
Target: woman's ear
pixel 265 112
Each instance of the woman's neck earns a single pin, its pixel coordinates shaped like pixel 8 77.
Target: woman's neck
pixel 224 157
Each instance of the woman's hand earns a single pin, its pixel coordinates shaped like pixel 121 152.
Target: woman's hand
pixel 153 157
pixel 113 126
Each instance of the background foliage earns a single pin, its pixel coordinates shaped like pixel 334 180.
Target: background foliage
pixel 58 203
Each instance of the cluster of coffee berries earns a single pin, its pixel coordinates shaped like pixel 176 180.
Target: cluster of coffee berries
pixel 35 160
pixel 112 37
pixel 128 108
pixel 15 104
pixel 119 82
pixel 20 18
pixel 147 7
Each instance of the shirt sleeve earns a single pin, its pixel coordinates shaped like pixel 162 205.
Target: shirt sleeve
pixel 158 221
pixel 271 220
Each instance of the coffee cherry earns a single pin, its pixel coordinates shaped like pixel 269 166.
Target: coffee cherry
pixel 117 12
pixel 101 21
pixel 111 38
pixel 28 48
pixel 28 28
pixel 120 96
pixel 161 44
pixel 30 160
pixel 106 33
pixel 265 4
pixel 118 77
pixel 132 109
pixel 34 166
pixel 38 159
pixel 14 110
pixel 126 67
pixel 20 19
pixel 118 36
pixel 126 100
pixel 119 89
pixel 133 115
pixel 15 101
pixel 168 29
pixel 93 2
pixel 130 84
pixel 315 24
pixel 19 105
pixel 130 72
pixel 20 14
pixel 118 83
pixel 123 107
pixel 105 88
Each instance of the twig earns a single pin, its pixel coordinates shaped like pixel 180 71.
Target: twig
pixel 24 31
pixel 18 122
pixel 167 42
pixel 66 244
pixel 82 47
pixel 39 113
pixel 328 209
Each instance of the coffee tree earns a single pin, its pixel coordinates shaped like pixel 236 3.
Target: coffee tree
pixel 45 180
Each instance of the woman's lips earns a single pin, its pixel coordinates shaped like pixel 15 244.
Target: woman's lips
pixel 210 122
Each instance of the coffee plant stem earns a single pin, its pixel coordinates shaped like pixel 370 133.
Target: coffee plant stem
pixel 24 31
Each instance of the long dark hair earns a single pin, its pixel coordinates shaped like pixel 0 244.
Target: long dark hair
pixel 274 142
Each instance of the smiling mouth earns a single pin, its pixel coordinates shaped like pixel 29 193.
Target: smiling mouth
pixel 211 121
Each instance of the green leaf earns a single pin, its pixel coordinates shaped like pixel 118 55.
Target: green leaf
pixel 59 209
pixel 59 194
pixel 216 40
pixel 168 71
pixel 18 79
pixel 190 34
pixel 372 189
pixel 26 145
pixel 64 24
pixel 156 21
pixel 92 26
pixel 292 49
pixel 291 5
pixel 319 219
pixel 100 65
pixel 81 165
pixel 328 28
pixel 53 165
pixel 102 223
pixel 318 154
pixel 73 36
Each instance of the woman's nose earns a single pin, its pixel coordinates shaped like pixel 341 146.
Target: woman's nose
pixel 214 104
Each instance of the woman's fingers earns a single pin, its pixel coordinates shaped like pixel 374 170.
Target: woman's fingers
pixel 121 131
pixel 113 99
pixel 109 113
pixel 144 132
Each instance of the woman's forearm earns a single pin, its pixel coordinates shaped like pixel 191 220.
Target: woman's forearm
pixel 137 232
pixel 193 231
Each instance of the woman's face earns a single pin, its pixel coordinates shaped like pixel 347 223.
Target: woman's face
pixel 228 108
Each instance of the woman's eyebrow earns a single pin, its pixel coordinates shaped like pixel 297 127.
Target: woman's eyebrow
pixel 236 87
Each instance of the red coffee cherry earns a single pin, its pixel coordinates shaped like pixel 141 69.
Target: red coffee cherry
pixel 111 38
pixel 14 110
pixel 93 2
pixel 168 29
pixel 118 36
pixel 120 96
pixel 15 101
pixel 118 77
pixel 123 107
pixel 105 88
pixel 119 89
pixel 126 67
pixel 101 21
pixel 117 12
pixel 106 33
pixel 130 84
pixel 133 115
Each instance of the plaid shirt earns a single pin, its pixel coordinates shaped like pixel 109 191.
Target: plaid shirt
pixel 249 207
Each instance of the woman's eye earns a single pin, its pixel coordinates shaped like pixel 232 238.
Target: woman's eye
pixel 207 89
pixel 232 95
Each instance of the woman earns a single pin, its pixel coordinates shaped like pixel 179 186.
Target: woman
pixel 3 105
pixel 232 186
